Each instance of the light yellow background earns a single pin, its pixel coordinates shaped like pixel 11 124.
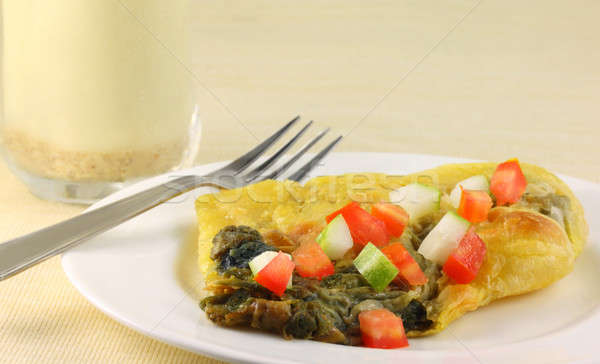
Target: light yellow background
pixel 478 79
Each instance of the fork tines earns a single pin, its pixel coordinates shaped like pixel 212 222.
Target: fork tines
pixel 263 171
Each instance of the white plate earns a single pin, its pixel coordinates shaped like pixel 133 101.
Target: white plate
pixel 143 274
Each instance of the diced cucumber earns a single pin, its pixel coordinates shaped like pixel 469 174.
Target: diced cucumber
pixel 478 183
pixel 444 237
pixel 335 239
pixel 417 199
pixel 375 267
pixel 260 261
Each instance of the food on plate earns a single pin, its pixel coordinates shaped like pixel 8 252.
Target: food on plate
pixel 371 259
pixel 336 239
pixel 474 205
pixel 382 329
pixel 464 262
pixel 375 267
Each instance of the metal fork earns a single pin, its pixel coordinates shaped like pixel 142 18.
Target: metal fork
pixel 22 253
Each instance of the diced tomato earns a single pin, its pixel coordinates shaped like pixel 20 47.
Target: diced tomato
pixel 311 260
pixel 410 272
pixel 464 262
pixel 508 182
pixel 382 329
pixel 393 216
pixel 474 205
pixel 276 275
pixel 363 226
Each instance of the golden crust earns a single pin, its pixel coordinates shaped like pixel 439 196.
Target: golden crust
pixel 526 250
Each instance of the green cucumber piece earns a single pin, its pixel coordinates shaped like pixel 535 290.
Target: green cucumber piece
pixel 375 267
pixel 444 237
pixel 417 199
pixel 335 239
pixel 260 261
pixel 478 183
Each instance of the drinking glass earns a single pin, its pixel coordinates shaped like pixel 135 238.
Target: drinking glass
pixel 95 94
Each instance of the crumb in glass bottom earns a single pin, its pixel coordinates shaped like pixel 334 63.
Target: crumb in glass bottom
pixel 48 161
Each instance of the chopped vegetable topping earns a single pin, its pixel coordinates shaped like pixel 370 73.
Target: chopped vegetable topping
pixel 476 183
pixel 464 262
pixel 363 226
pixel 276 275
pixel 394 217
pixel 409 270
pixel 417 200
pixel 444 237
pixel 382 329
pixel 375 267
pixel 261 261
pixel 336 239
pixel 474 205
pixel 508 182
pixel 311 261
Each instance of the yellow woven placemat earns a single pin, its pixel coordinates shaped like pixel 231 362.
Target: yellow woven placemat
pixel 44 319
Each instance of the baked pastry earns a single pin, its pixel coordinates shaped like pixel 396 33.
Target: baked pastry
pixel 532 231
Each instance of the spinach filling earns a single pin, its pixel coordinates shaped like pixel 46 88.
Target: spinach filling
pixel 235 246
pixel 324 310
pixel 550 204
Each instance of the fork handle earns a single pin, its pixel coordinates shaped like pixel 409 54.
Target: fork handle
pixel 24 252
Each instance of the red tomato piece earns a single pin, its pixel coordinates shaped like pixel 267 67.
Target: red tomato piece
pixel 382 329
pixel 508 182
pixel 311 261
pixel 363 226
pixel 393 216
pixel 474 205
pixel 410 271
pixel 276 275
pixel 464 262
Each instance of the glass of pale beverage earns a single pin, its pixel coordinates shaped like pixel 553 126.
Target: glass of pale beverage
pixel 95 94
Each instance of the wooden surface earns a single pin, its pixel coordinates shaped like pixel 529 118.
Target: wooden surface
pixel 487 80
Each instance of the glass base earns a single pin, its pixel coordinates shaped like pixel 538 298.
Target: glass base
pixel 128 165
pixel 66 191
